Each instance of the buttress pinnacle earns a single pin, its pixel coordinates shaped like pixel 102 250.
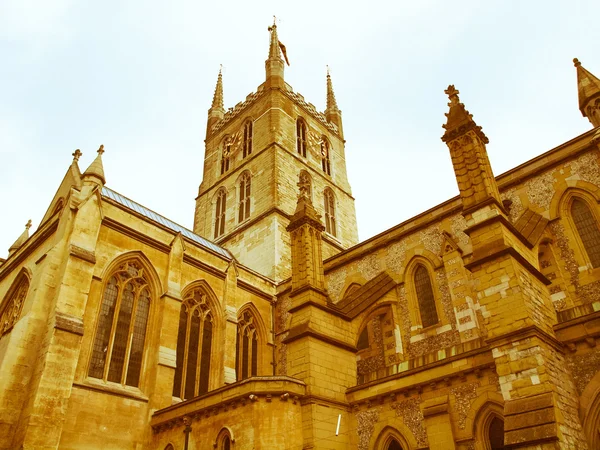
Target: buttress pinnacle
pixel 588 89
pixel 459 120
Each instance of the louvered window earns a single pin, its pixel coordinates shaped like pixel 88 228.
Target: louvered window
pixel 301 137
pixel 220 213
pixel 330 220
pixel 247 149
pixel 245 192
pixel 247 347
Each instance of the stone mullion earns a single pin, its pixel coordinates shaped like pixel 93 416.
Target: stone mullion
pixel 199 356
pixel 134 311
pixel 111 339
pixel 186 347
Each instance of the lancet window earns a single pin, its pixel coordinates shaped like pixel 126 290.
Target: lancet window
pixel 247 144
pixel 325 155
pixel 245 192
pixel 194 346
pixel 301 142
pixel 226 155
pixel 11 307
pixel 220 208
pixel 588 229
pixel 330 219
pixel 247 347
pixel 121 330
pixel 425 297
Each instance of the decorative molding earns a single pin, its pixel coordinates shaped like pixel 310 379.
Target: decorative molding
pixel 82 253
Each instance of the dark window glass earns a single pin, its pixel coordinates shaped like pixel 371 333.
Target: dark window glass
pixel 183 316
pixel 117 360
pixel 107 312
pixel 425 297
pixel 496 434
pixel 394 445
pixel 301 137
pixel 363 339
pixel 220 213
pixel 226 443
pixel 192 363
pixel 244 205
pixel 588 230
pixel 138 338
pixel 254 370
pixel 245 360
pixel 205 360
pixel 247 150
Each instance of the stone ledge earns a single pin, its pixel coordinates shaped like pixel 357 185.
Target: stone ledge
pixel 68 323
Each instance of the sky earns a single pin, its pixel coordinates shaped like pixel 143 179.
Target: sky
pixel 138 77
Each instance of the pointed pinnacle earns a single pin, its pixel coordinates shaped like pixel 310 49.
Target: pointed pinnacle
pixel 459 120
pixel 331 102
pixel 96 168
pixel 588 85
pixel 274 50
pixel 21 239
pixel 28 224
pixel 218 96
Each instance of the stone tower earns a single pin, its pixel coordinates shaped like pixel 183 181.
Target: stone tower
pixel 256 154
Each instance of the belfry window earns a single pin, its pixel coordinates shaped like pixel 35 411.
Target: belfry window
pixel 301 137
pixel 330 220
pixel 245 192
pixel 220 209
pixel 121 330
pixel 425 297
pixel 247 347
pixel 11 307
pixel 194 345
pixel 325 155
pixel 587 229
pixel 247 149
pixel 225 156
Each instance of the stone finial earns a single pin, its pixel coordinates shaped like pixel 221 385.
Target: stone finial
pixel 21 239
pixel 459 120
pixel 76 155
pixel 96 169
pixel 588 90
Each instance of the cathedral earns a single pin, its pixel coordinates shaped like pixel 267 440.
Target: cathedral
pixel 470 326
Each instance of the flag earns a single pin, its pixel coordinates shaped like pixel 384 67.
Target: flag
pixel 282 47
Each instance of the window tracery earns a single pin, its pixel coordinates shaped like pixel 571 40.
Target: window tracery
pixel 220 209
pixel 425 297
pixel 13 303
pixel 121 329
pixel 330 219
pixel 245 193
pixel 247 347
pixel 301 141
pixel 247 144
pixel 194 346
pixel 587 228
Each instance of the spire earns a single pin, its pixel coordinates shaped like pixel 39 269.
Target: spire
pixel 588 88
pixel 218 96
pixel 331 103
pixel 21 239
pixel 274 63
pixel 96 169
pixel 332 112
pixel 459 119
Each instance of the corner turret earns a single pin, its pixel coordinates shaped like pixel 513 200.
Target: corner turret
pixel 95 172
pixel 588 89
pixel 20 240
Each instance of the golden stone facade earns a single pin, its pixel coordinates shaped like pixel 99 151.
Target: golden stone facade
pixel 473 325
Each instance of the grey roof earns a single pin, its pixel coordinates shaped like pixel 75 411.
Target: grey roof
pixel 115 196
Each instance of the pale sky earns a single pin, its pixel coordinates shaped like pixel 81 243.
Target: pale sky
pixel 138 77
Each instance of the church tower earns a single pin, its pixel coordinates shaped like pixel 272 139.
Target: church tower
pixel 256 155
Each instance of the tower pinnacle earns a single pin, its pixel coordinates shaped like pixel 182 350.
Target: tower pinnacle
pixel 274 63
pixel 216 111
pixel 588 89
pixel 96 169
pixel 218 95
pixel 459 119
pixel 332 112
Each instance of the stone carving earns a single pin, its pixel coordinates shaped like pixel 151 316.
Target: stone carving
pixel 11 310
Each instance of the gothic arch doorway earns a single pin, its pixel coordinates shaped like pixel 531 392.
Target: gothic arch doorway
pixel 394 445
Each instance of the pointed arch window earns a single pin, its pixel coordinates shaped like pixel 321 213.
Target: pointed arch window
pixel 11 307
pixel 247 347
pixel 330 219
pixel 325 155
pixel 247 148
pixel 245 197
pixel 425 297
pixel 587 229
pixel 220 208
pixel 194 346
pixel 226 155
pixel 301 142
pixel 121 330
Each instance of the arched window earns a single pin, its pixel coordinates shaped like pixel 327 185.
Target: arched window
pixel 224 440
pixel 330 221
pixel 245 191
pixel 301 137
pixel 194 345
pixel 11 307
pixel 394 445
pixel 425 297
pixel 121 330
pixel 226 443
pixel 496 434
pixel 588 229
pixel 363 339
pixel 247 145
pixel 220 208
pixel 227 144
pixel 325 151
pixel 247 347
pixel 305 184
